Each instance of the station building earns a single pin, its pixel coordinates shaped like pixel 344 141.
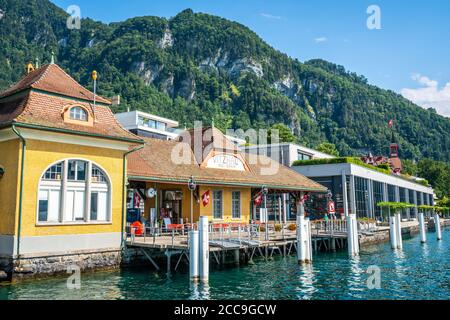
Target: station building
pixel 63 174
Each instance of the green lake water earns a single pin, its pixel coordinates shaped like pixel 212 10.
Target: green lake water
pixel 417 272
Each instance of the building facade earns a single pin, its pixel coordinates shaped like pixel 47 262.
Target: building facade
pixel 286 153
pixel 365 188
pixel 62 190
pixel 227 181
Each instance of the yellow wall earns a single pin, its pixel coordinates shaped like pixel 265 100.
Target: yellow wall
pixel 199 210
pixel 227 195
pixel 40 155
pixel 9 185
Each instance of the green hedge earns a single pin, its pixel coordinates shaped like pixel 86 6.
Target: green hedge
pixel 356 161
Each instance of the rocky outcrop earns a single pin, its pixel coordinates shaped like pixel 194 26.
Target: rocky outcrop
pixel 149 73
pixel 167 40
pixel 222 62
pixel 289 87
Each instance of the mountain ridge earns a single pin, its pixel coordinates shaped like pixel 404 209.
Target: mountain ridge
pixel 196 66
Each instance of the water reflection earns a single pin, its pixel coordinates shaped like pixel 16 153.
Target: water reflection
pixel 355 279
pixel 199 291
pixel 307 281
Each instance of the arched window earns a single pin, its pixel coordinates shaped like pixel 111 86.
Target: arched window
pixel 66 195
pixel 78 113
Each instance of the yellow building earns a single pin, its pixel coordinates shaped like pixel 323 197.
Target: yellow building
pixel 62 174
pixel 226 181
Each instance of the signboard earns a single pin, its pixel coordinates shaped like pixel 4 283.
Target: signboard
pixel 331 207
pixel 225 161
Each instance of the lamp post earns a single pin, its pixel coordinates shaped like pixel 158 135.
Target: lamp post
pixel 265 191
pixel 192 186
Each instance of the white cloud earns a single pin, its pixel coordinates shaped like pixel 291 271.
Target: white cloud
pixel 321 39
pixel 430 95
pixel 270 16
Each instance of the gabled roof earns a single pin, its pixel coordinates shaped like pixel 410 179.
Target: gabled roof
pixel 51 78
pixel 40 99
pixel 155 163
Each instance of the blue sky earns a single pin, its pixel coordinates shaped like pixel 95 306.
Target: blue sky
pixel 410 54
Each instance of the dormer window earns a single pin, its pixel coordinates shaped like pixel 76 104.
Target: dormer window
pixel 78 114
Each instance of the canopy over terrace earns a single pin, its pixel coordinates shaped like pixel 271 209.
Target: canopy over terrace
pixel 226 180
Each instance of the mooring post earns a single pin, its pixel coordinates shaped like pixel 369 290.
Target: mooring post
pixel 437 222
pixel 203 229
pixel 194 255
pixel 393 231
pixel 423 232
pixel 304 254
pixel 352 235
pixel 398 218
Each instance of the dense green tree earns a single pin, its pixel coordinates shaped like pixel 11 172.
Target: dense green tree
pixel 328 148
pixel 284 133
pixel 196 66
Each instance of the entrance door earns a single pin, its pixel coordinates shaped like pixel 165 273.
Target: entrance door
pixel 172 205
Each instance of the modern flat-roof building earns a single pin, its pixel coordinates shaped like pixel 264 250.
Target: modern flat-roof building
pixel 286 153
pixel 149 125
pixel 152 126
pixel 366 187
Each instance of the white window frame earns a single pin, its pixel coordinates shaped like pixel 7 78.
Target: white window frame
pixel 79 114
pixel 86 186
pixel 214 205
pixel 240 205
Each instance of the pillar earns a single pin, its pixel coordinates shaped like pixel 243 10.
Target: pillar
pixel 352 195
pixel 398 225
pixel 423 232
pixel 393 231
pixel 352 235
pixel 437 222
pixel 304 252
pixel 344 194
pixel 194 271
pixel 285 204
pixel 203 229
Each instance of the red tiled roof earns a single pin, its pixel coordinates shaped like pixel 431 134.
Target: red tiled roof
pixel 42 108
pixel 51 78
pixel 154 161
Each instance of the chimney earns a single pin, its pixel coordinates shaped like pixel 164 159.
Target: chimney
pixel 115 100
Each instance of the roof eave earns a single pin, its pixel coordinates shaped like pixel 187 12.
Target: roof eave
pixel 74 132
pixel 230 183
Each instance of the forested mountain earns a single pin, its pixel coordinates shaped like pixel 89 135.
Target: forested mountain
pixel 198 67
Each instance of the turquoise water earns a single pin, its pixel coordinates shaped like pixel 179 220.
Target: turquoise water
pixel 419 272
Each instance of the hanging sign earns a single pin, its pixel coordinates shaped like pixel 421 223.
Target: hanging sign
pixel 331 207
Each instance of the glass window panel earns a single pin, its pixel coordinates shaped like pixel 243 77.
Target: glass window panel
pixel 98 175
pixel 94 206
pixel 236 205
pixel 43 205
pixel 54 173
pixel 217 204
pixel 78 113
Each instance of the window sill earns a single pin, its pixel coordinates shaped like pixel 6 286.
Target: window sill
pixel 63 224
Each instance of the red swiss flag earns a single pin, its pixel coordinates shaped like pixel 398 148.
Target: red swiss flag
pixel 205 198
